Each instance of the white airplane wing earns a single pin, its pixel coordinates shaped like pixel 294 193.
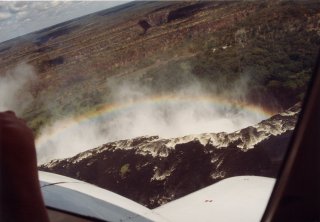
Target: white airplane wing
pixel 77 197
pixel 241 198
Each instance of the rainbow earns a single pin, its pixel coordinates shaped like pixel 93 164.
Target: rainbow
pixel 111 109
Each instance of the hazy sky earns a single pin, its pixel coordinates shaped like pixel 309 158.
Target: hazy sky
pixel 21 17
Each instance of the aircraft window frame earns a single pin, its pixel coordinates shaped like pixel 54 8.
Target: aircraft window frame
pixel 286 175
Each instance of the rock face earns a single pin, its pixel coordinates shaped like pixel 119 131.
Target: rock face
pixel 153 171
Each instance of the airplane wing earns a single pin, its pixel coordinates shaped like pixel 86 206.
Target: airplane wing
pixel 77 197
pixel 241 198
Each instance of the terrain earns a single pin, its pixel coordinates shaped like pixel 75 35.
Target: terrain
pixel 272 44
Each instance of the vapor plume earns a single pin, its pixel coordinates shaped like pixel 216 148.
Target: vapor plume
pixel 144 109
pixel 15 87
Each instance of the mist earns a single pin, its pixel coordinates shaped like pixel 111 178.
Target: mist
pixel 15 84
pixel 141 109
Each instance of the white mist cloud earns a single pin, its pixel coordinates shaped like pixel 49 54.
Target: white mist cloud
pixel 15 88
pixel 188 111
pixel 71 139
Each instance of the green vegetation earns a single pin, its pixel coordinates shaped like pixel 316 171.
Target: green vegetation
pixel 274 49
